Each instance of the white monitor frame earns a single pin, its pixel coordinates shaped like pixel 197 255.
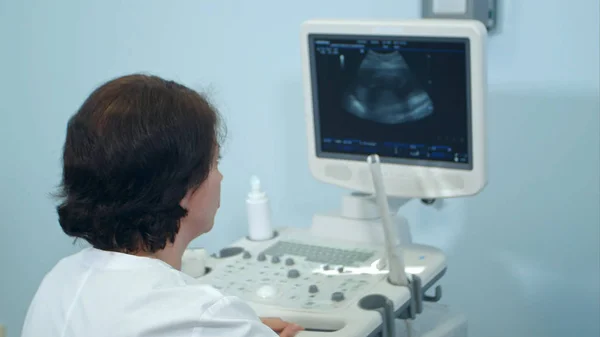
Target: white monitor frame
pixel 406 180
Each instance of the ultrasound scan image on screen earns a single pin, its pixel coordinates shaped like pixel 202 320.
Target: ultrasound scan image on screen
pixel 385 90
pixel 404 99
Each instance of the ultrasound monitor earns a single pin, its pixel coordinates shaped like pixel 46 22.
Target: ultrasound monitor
pixel 413 92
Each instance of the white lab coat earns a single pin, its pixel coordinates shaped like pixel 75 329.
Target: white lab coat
pixel 95 293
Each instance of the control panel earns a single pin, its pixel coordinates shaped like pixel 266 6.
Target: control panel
pixel 296 274
pixel 324 284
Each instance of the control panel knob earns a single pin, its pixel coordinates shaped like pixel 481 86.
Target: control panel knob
pixel 313 289
pixel 289 261
pixel 326 267
pixel 261 257
pixel 266 291
pixel 293 273
pixel 337 296
pixel 340 269
pixel 275 259
pixel 247 255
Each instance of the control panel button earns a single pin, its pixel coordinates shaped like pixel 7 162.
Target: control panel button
pixel 266 291
pixel 340 269
pixel 275 259
pixel 230 251
pixel 289 261
pixel 313 289
pixel 326 267
pixel 293 273
pixel 337 296
pixel 247 255
pixel 261 257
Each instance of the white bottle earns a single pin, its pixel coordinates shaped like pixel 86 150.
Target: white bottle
pixel 259 213
pixel 193 262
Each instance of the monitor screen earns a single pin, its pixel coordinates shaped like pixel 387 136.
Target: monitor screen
pixel 406 99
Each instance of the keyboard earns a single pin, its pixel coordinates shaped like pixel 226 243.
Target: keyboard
pixel 320 254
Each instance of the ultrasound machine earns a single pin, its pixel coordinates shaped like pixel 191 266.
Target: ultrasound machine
pixel 395 110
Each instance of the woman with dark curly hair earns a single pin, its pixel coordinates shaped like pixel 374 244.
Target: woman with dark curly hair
pixel 140 182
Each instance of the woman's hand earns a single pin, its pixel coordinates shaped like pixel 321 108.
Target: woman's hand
pixel 283 328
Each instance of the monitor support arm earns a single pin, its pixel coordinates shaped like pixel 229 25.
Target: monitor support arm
pixel 397 274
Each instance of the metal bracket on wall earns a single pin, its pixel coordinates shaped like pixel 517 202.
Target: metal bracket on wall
pixel 485 11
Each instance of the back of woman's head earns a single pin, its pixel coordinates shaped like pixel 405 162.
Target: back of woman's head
pixel 133 150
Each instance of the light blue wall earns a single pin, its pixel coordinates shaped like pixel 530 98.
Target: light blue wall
pixel 523 255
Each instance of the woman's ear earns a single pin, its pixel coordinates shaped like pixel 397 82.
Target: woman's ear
pixel 186 199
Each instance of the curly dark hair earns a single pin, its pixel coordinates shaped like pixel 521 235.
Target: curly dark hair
pixel 133 150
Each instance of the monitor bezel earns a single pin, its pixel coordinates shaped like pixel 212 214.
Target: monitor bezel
pixel 404 179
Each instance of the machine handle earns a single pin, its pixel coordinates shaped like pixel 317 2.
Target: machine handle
pixel 352 327
pixel 314 334
pixel 347 330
